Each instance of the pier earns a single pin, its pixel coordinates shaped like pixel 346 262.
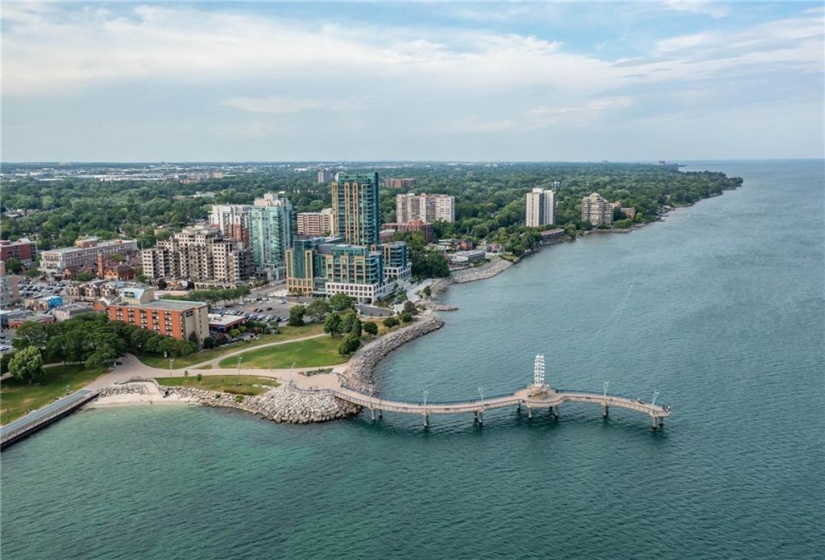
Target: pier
pixel 535 398
pixel 36 421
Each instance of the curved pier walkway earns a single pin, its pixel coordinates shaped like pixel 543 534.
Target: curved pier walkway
pixel 533 397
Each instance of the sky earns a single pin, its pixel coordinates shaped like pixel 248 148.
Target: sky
pixel 508 81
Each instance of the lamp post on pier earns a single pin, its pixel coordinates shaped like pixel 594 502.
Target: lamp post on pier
pixel 171 361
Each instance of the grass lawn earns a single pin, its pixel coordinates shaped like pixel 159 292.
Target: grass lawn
pixel 315 352
pixel 16 397
pixel 287 333
pixel 249 384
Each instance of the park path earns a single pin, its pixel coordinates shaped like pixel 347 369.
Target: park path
pixel 132 367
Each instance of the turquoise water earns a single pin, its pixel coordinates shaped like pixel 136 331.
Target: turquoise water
pixel 720 307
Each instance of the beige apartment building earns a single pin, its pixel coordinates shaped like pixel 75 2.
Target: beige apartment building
pixel 200 254
pixel 316 224
pixel 597 210
pixel 427 208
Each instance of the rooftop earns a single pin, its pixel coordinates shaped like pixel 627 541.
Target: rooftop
pixel 98 246
pixel 167 304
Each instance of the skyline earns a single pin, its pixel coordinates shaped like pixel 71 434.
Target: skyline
pixel 465 82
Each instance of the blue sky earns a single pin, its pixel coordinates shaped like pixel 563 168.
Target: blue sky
pixel 415 81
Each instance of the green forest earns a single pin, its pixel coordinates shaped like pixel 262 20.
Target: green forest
pixel 490 199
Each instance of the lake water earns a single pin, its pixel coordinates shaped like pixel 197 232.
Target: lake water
pixel 721 308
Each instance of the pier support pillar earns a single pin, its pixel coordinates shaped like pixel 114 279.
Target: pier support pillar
pixel 605 410
pixel 380 414
pixel 661 421
pixel 518 408
pixel 655 422
pixel 372 412
pixel 554 410
pixel 426 420
pixel 480 418
pixel 475 417
pixel 529 413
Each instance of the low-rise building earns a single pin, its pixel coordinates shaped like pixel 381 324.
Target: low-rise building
pixel 85 252
pixel 467 256
pixel 224 323
pixel 24 250
pixel 412 226
pixel 71 311
pixel 178 319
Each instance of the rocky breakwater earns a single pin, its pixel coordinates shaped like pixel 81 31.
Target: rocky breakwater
pixel 439 307
pixel 282 404
pixel 496 266
pixel 358 374
pixel 128 389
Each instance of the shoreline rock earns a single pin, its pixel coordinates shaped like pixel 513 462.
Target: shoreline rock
pixel 359 370
pixel 497 266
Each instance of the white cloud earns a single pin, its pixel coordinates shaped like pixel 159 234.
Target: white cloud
pixel 272 104
pixel 412 79
pixel 712 9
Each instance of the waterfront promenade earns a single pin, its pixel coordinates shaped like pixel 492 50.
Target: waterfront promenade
pixel 532 398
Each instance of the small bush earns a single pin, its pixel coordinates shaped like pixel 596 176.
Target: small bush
pixel 238 398
pixel 217 395
pixel 199 377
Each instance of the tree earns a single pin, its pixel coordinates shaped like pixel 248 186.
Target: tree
pixel 371 328
pixel 31 333
pixel 27 365
pixel 409 307
pixel 428 291
pixel 318 308
pixel 341 302
pixel 350 323
pixel 349 344
pixel 84 276
pixel 13 266
pixel 296 315
pixel 406 317
pixel 332 325
pixel 390 322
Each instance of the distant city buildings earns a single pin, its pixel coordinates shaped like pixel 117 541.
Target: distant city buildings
pixel 597 210
pixel 24 250
pixel 200 254
pixel 316 224
pixel 355 203
pixel 541 208
pixel 426 208
pixel 85 252
pixel 324 176
pixel 405 183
